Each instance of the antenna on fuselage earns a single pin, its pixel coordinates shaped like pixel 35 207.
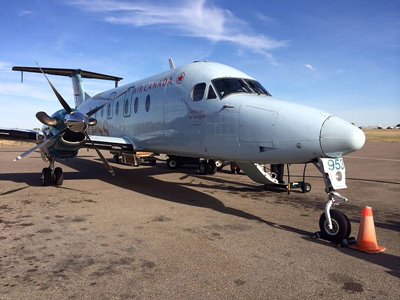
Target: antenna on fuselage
pixel 171 63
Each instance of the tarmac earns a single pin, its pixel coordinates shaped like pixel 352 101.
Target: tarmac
pixel 153 233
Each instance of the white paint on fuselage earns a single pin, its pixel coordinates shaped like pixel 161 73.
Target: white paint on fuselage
pixel 251 127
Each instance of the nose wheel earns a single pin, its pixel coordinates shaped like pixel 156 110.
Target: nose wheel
pixel 341 226
pixel 49 177
pixel 52 175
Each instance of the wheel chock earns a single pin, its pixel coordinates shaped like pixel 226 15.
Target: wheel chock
pixel 317 235
pixel 343 243
pixel 348 241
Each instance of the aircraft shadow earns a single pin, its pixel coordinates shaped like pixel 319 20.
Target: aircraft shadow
pixel 141 180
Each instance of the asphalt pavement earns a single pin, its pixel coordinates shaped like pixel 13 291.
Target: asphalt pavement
pixel 153 233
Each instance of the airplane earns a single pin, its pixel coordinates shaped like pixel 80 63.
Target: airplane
pixel 201 109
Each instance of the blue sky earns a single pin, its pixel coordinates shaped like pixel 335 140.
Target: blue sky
pixel 339 56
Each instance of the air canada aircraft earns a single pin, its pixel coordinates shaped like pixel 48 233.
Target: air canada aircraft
pixel 201 109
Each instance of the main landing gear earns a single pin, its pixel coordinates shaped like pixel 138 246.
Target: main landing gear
pixel 52 175
pixel 208 167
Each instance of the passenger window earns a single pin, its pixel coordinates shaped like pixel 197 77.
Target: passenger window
pixel 109 110
pixel 117 108
pixel 126 108
pixel 127 102
pixel 109 106
pixel 147 104
pixel 198 91
pixel 136 105
pixel 211 94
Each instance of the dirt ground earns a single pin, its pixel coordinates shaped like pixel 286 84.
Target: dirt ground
pixel 153 233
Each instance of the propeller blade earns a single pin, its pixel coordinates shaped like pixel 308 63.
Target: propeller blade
pixel 46 119
pixel 38 146
pixel 95 110
pixel 105 162
pixel 59 97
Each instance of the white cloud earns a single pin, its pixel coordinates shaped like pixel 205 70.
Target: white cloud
pixel 26 90
pixel 191 18
pixel 308 66
pixel 264 18
pixel 25 13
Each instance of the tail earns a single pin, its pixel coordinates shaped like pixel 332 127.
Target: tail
pixel 76 75
pixel 79 91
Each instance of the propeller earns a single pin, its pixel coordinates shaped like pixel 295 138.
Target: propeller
pixel 75 121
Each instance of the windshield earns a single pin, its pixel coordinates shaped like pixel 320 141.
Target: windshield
pixel 257 87
pixel 228 86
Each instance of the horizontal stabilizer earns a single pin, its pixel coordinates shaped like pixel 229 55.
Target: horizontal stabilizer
pixel 68 73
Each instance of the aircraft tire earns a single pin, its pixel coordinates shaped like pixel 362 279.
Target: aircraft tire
pixel 341 227
pixel 46 177
pixel 212 167
pixel 306 187
pixel 58 176
pixel 173 163
pixel 204 168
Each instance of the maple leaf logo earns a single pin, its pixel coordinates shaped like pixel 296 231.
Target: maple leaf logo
pixel 180 77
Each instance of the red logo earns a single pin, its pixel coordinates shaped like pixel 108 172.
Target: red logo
pixel 180 78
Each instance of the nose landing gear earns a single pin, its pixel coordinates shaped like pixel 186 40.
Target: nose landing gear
pixel 52 175
pixel 334 225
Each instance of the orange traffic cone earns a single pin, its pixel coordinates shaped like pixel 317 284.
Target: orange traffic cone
pixel 366 240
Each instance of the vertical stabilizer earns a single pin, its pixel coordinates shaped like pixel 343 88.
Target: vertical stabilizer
pixel 79 91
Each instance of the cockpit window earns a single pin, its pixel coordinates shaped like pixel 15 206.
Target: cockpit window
pixel 228 86
pixel 198 91
pixel 211 93
pixel 257 87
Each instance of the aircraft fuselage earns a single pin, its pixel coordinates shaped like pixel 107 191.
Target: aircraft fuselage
pixel 183 112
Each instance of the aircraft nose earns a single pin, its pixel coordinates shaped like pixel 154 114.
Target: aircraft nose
pixel 338 137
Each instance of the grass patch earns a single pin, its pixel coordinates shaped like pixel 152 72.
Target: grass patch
pixel 382 135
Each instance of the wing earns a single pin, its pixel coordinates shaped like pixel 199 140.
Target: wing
pixel 20 135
